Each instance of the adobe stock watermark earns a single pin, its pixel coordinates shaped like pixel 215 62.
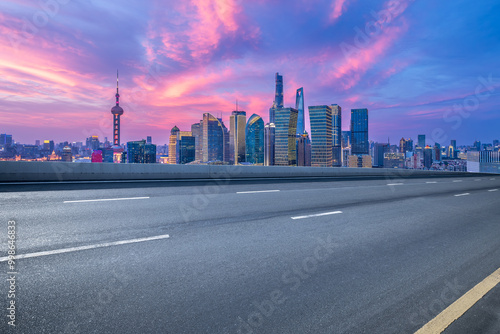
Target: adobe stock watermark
pixel 373 28
pixel 463 110
pixel 32 25
pixel 451 292
pixel 293 279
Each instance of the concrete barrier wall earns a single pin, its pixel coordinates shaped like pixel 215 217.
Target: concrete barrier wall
pixel 24 171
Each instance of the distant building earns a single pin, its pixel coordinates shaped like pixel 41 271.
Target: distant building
pixel 172 145
pixel 269 141
pixel 286 129
pixel 421 141
pixel 139 152
pixel 237 124
pixel 278 99
pixel 336 135
pixel 215 140
pixel 149 140
pixel 360 161
pixel 96 156
pixel 303 150
pixel 483 162
pixel 185 147
pixel 197 131
pixel 66 154
pixel 437 152
pixel 321 136
pixel 359 132
pixel 254 136
pixel 299 105
pixel 428 157
pixel 379 151
pixel 394 160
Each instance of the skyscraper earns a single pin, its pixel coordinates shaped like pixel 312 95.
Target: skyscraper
pixel 197 131
pixel 215 140
pixel 336 135
pixel 303 150
pixel 278 98
pixel 172 144
pixel 237 123
pixel 321 135
pixel 279 91
pixel 254 134
pixel 359 131
pixel 185 147
pixel 299 105
pixel 269 141
pixel 286 129
pixel 421 141
pixel 117 111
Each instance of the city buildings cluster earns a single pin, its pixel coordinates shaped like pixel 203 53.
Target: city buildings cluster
pixel 283 141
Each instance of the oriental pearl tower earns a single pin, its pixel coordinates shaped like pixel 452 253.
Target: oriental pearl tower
pixel 117 111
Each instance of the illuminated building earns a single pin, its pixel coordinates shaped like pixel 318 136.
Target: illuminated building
pixel 321 135
pixel 237 123
pixel 285 137
pixel 254 140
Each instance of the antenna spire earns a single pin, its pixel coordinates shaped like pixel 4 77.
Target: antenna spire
pixel 117 94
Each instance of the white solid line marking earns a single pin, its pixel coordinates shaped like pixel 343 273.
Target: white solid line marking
pixel 395 184
pixel 431 182
pixel 457 181
pixel 80 248
pixel 492 179
pixel 104 199
pixel 465 194
pixel 258 191
pixel 318 215
pixel 493 190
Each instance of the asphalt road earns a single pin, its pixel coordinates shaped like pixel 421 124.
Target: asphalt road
pixel 358 256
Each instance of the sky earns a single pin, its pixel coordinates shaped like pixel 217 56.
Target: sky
pixel 419 66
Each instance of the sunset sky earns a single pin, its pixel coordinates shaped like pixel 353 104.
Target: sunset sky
pixel 408 62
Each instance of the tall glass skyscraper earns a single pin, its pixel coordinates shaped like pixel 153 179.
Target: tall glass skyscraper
pixel 215 139
pixel 336 135
pixel 269 138
pixel 299 105
pixel 421 141
pixel 172 144
pixel 254 133
pixel 237 123
pixel 321 135
pixel 197 131
pixel 278 98
pixel 286 129
pixel 359 131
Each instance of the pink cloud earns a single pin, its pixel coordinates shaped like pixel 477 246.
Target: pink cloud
pixel 338 8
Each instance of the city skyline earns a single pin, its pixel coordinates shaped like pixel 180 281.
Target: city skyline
pixel 411 73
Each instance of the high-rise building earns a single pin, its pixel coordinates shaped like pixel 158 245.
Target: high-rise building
pixel 336 135
pixel 303 150
pixel 437 152
pixel 278 98
pixel 149 140
pixel 254 136
pixel 117 111
pixel 139 152
pixel 346 139
pixel 286 129
pixel 279 91
pixel 5 140
pixel 237 123
pixel 196 130
pixel 172 145
pixel 359 131
pixel 453 144
pixel 185 147
pixel 299 105
pixel 66 154
pixel 428 157
pixel 269 141
pixel 379 151
pixel 321 135
pixel 215 139
pixel 421 141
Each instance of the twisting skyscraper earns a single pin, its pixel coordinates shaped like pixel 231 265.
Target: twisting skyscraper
pixel 117 111
pixel 299 105
pixel 278 98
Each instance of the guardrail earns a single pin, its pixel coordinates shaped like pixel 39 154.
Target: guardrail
pixel 33 171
